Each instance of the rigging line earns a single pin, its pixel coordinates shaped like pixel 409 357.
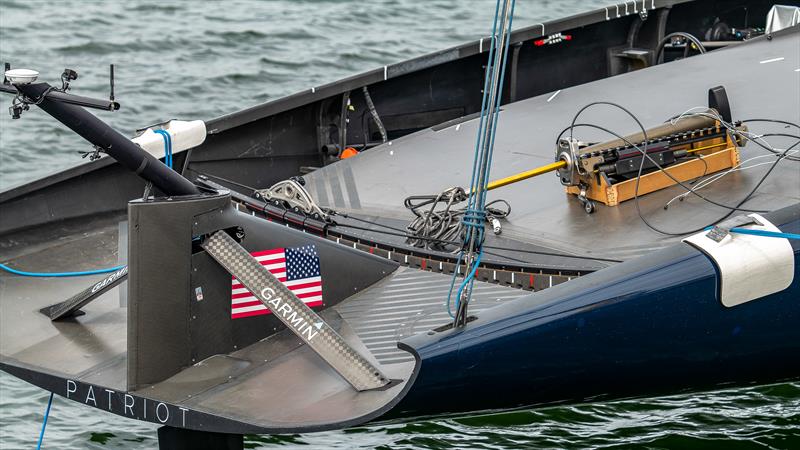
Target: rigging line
pixel 492 247
pixel 475 214
pixel 225 180
pixel 371 222
pixel 44 422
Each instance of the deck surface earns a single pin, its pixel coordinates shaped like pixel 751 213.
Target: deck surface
pixel 276 384
pixel 762 81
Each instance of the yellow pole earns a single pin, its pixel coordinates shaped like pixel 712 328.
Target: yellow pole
pixel 555 166
pixel 692 150
pixel 525 175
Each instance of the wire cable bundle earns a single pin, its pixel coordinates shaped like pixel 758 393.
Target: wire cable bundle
pixel 441 227
pixel 755 138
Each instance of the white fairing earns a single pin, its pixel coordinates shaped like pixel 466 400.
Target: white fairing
pixel 750 267
pixel 185 135
pixel 780 17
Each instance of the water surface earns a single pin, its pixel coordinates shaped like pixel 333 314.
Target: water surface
pixel 199 60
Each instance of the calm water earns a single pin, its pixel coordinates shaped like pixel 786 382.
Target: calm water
pixel 192 59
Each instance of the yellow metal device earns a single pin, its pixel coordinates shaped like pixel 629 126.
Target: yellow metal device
pixel 687 149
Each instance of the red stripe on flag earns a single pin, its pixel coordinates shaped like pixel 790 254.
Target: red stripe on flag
pixel 306 285
pixel 261 312
pixel 257 302
pixel 303 295
pixel 246 304
pixel 269 262
pixel 258 312
pixel 241 286
pixel 268 252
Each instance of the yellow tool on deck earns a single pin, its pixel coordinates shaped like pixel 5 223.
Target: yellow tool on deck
pixel 607 172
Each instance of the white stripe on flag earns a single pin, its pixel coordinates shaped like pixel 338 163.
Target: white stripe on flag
pixel 278 269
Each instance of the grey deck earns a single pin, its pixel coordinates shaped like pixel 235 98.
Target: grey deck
pixel 276 384
pixel 376 182
pixel 406 303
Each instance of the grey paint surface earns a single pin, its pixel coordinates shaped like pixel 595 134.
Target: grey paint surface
pixel 430 161
pixel 274 384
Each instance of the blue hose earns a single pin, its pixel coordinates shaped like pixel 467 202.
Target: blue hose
pixel 167 146
pixel 765 233
pixel 58 274
pixel 44 422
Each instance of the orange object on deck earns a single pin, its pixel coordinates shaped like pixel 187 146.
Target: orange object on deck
pixel 348 152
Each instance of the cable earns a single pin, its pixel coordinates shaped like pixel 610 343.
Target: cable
pixel 714 178
pixel 728 214
pixel 752 137
pixel 783 122
pixel 375 116
pixel 645 155
pixel 58 274
pixel 492 247
pixel 44 422
pixel 658 166
pixel 667 38
pixel 445 223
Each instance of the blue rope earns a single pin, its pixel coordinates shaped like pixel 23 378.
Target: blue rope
pixel 44 422
pixel 167 146
pixel 468 280
pixel 475 212
pixel 58 274
pixel 765 233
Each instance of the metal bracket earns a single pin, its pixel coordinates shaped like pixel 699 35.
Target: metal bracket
pixel 295 196
pixel 296 315
pixel 722 229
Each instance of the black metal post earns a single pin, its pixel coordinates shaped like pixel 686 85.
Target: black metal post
pixel 170 438
pixel 112 142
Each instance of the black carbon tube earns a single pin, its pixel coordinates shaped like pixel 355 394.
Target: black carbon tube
pixel 112 142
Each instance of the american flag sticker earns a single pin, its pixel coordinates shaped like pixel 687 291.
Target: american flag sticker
pixel 297 268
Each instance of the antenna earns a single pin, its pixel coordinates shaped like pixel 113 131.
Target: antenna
pixel 111 79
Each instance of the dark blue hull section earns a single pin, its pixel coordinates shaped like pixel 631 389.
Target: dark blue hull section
pixel 646 327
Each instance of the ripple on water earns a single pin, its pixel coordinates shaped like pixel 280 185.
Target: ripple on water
pixel 173 58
